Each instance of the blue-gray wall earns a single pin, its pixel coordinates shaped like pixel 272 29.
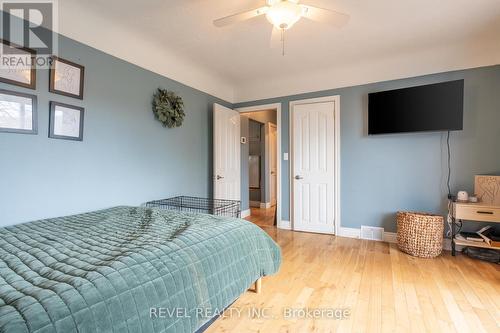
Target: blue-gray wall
pixel 383 174
pixel 126 156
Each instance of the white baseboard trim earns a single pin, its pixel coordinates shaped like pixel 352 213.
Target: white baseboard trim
pixel 349 232
pixel 389 237
pixel 245 213
pixel 265 205
pixel 286 225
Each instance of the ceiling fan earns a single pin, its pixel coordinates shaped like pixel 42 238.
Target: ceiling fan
pixel 283 14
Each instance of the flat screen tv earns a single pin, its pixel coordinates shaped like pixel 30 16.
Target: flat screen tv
pixel 433 107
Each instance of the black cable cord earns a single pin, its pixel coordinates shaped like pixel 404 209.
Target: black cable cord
pixel 449 164
pixel 449 187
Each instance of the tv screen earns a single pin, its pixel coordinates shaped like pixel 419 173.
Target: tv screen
pixel 433 107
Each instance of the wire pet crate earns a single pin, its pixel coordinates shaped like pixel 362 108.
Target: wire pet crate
pixel 230 208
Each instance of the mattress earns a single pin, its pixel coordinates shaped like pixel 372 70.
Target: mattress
pixel 127 269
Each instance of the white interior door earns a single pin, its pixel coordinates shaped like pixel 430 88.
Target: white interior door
pixel 226 153
pixel 313 169
pixel 273 162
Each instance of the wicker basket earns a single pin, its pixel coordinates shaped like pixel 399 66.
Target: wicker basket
pixel 420 234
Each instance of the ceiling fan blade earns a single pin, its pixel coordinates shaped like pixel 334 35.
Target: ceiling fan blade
pixel 222 22
pixel 276 38
pixel 327 16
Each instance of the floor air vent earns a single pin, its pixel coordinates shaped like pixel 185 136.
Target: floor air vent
pixel 372 233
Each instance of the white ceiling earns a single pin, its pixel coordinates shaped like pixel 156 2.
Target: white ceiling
pixel 385 39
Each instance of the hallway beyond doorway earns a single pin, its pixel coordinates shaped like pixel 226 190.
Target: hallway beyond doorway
pixel 263 217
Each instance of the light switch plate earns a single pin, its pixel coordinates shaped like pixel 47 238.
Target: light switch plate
pixel 285 156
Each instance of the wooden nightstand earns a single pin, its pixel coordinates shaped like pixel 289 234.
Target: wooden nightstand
pixel 475 212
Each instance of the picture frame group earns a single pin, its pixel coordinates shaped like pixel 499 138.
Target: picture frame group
pixel 19 114
pixel 18 110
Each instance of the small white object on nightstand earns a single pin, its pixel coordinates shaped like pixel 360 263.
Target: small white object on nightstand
pixel 462 196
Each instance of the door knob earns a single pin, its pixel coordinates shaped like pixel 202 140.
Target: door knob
pixel 298 177
pixel 219 177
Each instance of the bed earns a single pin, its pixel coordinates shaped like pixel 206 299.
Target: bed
pixel 128 269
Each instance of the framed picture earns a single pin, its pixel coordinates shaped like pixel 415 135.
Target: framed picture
pixel 66 122
pixel 18 65
pixel 18 112
pixel 66 78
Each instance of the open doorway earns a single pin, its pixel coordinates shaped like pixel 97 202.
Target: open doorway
pixel 259 166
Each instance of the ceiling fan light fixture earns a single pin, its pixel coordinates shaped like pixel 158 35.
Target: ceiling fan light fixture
pixel 284 14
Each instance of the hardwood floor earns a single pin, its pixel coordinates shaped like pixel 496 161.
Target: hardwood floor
pixel 384 289
pixel 263 217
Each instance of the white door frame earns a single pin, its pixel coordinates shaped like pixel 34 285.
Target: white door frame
pixel 277 107
pixel 336 100
pixel 268 157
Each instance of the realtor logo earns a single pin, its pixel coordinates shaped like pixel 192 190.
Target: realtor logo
pixel 30 24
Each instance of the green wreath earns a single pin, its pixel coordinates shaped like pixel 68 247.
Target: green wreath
pixel 168 108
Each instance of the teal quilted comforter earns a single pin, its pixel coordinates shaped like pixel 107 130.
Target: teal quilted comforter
pixel 127 269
